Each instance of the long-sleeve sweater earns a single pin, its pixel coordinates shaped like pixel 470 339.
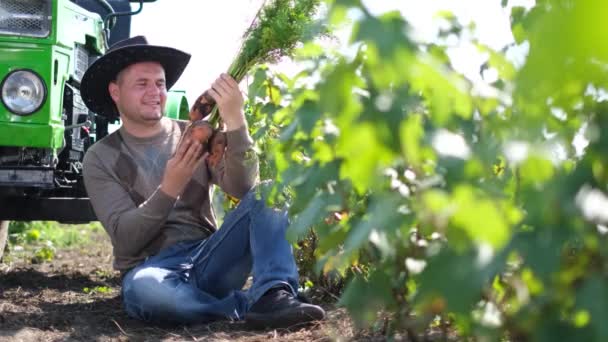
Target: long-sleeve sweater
pixel 123 173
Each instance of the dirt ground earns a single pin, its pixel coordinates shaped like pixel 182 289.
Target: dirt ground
pixel 76 297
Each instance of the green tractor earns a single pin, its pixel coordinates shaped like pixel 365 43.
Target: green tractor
pixel 45 128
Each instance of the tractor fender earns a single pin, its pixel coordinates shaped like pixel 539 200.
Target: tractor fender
pixel 177 105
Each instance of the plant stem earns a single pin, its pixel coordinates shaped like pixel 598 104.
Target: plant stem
pixel 238 73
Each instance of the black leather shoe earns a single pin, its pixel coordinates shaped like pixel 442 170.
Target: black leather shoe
pixel 278 308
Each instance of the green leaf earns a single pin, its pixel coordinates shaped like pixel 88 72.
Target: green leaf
pixel 387 32
pixel 383 215
pixel 593 296
pixel 564 36
pixel 552 327
pixel 314 213
pixel 412 132
pixel 32 235
pixel 456 278
pixel 309 50
pixel 313 179
pixel 506 70
pixel 365 297
pixel 363 156
pixel 256 88
pixel 288 132
pixel 536 170
pixel 331 239
pixel 481 218
pixel 337 92
pixel 445 92
pixel 308 114
pixel 540 250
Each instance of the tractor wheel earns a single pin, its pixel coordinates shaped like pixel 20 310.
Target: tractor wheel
pixel 3 236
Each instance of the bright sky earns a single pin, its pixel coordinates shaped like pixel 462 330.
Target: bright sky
pixel 211 30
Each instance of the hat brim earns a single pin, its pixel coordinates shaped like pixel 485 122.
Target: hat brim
pixel 95 81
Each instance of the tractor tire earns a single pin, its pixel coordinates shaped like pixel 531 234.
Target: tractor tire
pixel 3 236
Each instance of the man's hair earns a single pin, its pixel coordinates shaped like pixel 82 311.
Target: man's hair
pixel 119 75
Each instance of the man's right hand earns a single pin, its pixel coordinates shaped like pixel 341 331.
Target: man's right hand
pixel 181 167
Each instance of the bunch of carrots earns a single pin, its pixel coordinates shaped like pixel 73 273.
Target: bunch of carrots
pixel 277 28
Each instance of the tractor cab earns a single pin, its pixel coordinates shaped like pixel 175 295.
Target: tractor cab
pixel 122 26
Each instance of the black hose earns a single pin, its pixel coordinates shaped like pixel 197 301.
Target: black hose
pixel 118 14
pixel 106 5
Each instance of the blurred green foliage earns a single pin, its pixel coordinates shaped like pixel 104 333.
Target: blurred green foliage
pixel 434 200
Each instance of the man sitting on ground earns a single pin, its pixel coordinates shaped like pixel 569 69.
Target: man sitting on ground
pixel 152 194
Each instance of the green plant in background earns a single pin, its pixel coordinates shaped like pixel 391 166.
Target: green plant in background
pixel 43 237
pixel 462 209
pixel 44 253
pixel 97 289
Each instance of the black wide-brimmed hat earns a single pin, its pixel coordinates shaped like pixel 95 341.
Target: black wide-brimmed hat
pixel 94 83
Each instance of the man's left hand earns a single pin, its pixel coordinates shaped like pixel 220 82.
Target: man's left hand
pixel 226 93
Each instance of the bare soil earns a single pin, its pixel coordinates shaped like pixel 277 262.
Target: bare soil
pixel 76 297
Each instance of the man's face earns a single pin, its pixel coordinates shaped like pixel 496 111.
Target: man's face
pixel 140 93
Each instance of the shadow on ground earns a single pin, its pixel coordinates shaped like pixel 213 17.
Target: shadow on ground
pixel 81 302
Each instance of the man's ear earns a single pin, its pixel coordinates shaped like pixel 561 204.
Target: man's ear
pixel 113 90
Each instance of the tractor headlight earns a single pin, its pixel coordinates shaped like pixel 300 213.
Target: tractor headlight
pixel 23 92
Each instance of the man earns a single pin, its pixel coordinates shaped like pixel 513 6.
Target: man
pixel 152 195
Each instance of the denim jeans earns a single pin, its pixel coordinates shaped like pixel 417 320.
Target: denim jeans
pixel 201 281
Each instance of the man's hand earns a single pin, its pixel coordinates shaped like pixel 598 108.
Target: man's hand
pixel 181 167
pixel 226 93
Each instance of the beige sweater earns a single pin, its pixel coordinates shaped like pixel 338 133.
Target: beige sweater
pixel 122 175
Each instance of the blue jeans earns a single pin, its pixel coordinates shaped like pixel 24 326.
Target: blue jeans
pixel 201 281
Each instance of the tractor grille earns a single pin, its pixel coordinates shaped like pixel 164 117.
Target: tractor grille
pixel 81 61
pixel 31 18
